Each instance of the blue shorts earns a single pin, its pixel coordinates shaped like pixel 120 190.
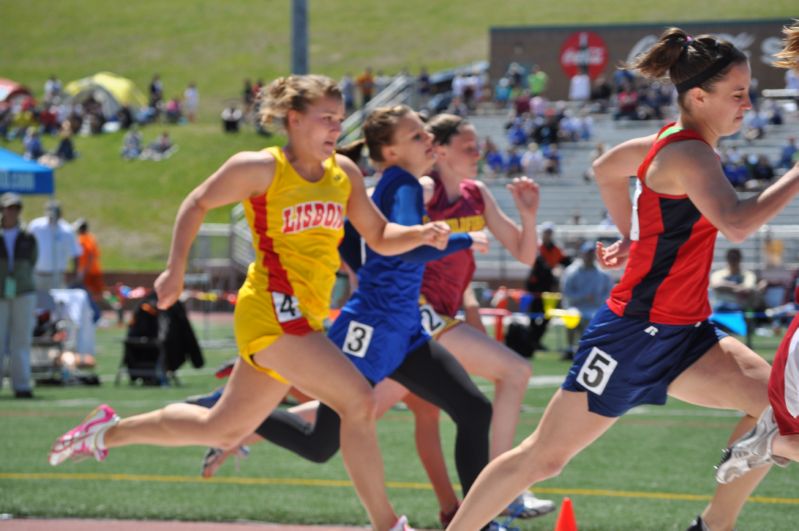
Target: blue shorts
pixel 374 342
pixel 623 362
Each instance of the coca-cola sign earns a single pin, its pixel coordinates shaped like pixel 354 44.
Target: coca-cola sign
pixel 583 50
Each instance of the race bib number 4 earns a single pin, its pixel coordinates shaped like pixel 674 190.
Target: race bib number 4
pixel 431 321
pixel 596 371
pixel 359 336
pixel 287 307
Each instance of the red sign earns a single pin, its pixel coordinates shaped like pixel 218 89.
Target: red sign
pixel 583 49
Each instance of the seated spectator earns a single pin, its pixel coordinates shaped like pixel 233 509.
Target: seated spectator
pixel 231 119
pixel 789 153
pixel 762 171
pixel 517 136
pixel 493 158
pixel 552 159
pixel 132 143
pixel 533 162
pixel 32 144
pixel 548 131
pixel 733 287
pixel 458 107
pixel 626 103
pixel 513 162
pixel 735 168
pixel 162 144
pixel 160 149
pixel 173 111
pixel 65 151
pixel 754 125
pixel 48 120
pixel 125 117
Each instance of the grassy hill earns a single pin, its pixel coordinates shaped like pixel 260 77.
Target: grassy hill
pixel 217 44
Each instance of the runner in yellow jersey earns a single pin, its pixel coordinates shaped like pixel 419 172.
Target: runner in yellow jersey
pixel 295 198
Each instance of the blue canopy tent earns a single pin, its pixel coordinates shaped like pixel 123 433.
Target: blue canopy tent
pixel 23 176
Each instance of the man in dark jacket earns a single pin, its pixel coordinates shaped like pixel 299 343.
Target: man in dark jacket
pixel 17 295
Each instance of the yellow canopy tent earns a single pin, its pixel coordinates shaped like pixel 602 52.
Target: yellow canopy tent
pixel 110 90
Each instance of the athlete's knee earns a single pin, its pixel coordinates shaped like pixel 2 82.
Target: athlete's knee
pixel 361 406
pixel 323 449
pixel 517 373
pixel 541 461
pixel 538 466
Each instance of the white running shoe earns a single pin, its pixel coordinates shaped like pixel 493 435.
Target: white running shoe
pixel 402 525
pixel 526 505
pixel 214 457
pixel 81 441
pixel 753 450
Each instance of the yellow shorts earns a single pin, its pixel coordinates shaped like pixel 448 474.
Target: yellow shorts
pixel 261 318
pixel 435 323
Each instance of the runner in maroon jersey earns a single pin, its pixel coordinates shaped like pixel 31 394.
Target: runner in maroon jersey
pixel 640 349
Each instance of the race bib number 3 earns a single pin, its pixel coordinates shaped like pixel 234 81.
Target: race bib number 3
pixel 596 371
pixel 431 321
pixel 359 336
pixel 287 307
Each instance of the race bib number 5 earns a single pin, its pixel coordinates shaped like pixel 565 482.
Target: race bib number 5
pixel 431 321
pixel 287 307
pixel 359 336
pixel 596 371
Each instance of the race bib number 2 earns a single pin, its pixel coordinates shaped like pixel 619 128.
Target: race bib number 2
pixel 287 307
pixel 596 371
pixel 431 321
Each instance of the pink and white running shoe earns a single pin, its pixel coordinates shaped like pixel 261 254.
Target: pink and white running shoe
pixel 80 442
pixel 402 525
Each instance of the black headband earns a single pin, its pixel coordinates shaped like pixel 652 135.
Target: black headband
pixel 720 64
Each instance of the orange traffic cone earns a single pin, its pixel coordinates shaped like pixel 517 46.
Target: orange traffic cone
pixel 566 521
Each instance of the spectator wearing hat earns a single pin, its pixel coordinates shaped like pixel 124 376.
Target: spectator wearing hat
pixel 585 287
pixel 57 247
pixel 18 301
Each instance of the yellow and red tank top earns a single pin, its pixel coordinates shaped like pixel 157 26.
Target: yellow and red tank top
pixel 668 269
pixel 296 227
pixel 447 278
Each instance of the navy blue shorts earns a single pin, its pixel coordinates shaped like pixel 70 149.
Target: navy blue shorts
pixel 623 362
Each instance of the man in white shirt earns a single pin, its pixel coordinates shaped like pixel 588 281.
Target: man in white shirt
pixel 57 244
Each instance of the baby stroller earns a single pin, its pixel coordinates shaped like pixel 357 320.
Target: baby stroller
pixel 54 357
pixel 158 342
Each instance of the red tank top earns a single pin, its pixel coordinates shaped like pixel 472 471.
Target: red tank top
pixel 668 270
pixel 447 278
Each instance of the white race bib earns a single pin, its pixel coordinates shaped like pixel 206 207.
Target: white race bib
pixel 359 336
pixel 431 321
pixel 596 371
pixel 287 307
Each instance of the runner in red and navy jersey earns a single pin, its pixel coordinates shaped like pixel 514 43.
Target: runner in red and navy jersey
pixel 775 438
pixel 652 339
